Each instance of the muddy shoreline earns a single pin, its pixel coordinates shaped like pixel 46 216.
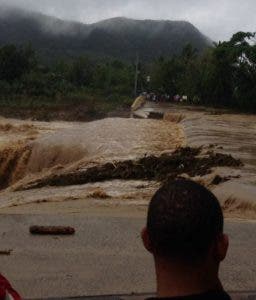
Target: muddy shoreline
pixel 68 113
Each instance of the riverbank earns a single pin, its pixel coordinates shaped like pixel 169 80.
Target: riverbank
pixel 80 107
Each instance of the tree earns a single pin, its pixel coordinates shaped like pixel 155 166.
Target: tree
pixel 15 62
pixel 244 69
pixel 81 72
pixel 166 75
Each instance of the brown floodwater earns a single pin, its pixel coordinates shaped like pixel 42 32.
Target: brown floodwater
pixel 34 150
pixel 47 148
pixel 227 133
pixel 231 133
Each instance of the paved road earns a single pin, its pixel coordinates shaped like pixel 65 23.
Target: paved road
pixel 104 257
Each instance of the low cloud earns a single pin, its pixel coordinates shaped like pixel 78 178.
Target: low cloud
pixel 217 19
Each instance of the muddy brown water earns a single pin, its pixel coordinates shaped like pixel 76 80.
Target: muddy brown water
pixel 33 150
pixel 235 133
pixel 226 133
pixel 62 147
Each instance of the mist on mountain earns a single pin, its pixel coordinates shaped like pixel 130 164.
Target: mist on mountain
pixel 118 37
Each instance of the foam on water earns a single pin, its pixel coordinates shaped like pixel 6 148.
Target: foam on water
pixel 77 146
pixel 33 151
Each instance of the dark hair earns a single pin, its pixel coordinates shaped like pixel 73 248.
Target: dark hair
pixel 184 218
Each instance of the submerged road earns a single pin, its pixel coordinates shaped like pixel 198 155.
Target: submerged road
pixel 104 257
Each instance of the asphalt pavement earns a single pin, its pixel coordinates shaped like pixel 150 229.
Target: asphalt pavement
pixel 104 257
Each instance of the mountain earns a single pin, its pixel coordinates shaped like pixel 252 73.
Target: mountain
pixel 117 37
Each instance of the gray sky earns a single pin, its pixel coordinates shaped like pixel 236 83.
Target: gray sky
pixel 218 19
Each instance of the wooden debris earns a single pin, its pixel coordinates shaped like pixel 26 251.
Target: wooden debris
pixel 52 230
pixel 6 252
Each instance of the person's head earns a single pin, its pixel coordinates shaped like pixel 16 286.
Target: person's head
pixel 185 226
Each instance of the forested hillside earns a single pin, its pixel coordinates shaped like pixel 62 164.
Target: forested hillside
pixel 35 70
pixel 119 37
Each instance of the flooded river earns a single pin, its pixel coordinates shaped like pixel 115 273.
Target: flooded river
pixel 32 151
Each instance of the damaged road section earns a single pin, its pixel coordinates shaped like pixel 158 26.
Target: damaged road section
pixel 190 161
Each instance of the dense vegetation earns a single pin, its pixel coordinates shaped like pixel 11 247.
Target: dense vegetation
pixel 224 75
pixel 24 80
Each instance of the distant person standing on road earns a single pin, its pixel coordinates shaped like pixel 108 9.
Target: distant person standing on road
pixel 184 233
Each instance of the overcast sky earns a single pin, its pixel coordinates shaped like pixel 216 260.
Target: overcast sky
pixel 218 19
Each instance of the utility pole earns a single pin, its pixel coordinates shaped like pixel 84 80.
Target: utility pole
pixel 136 75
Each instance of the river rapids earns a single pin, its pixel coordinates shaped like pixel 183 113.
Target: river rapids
pixel 33 151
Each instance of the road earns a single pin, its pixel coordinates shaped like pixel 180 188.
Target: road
pixel 104 257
